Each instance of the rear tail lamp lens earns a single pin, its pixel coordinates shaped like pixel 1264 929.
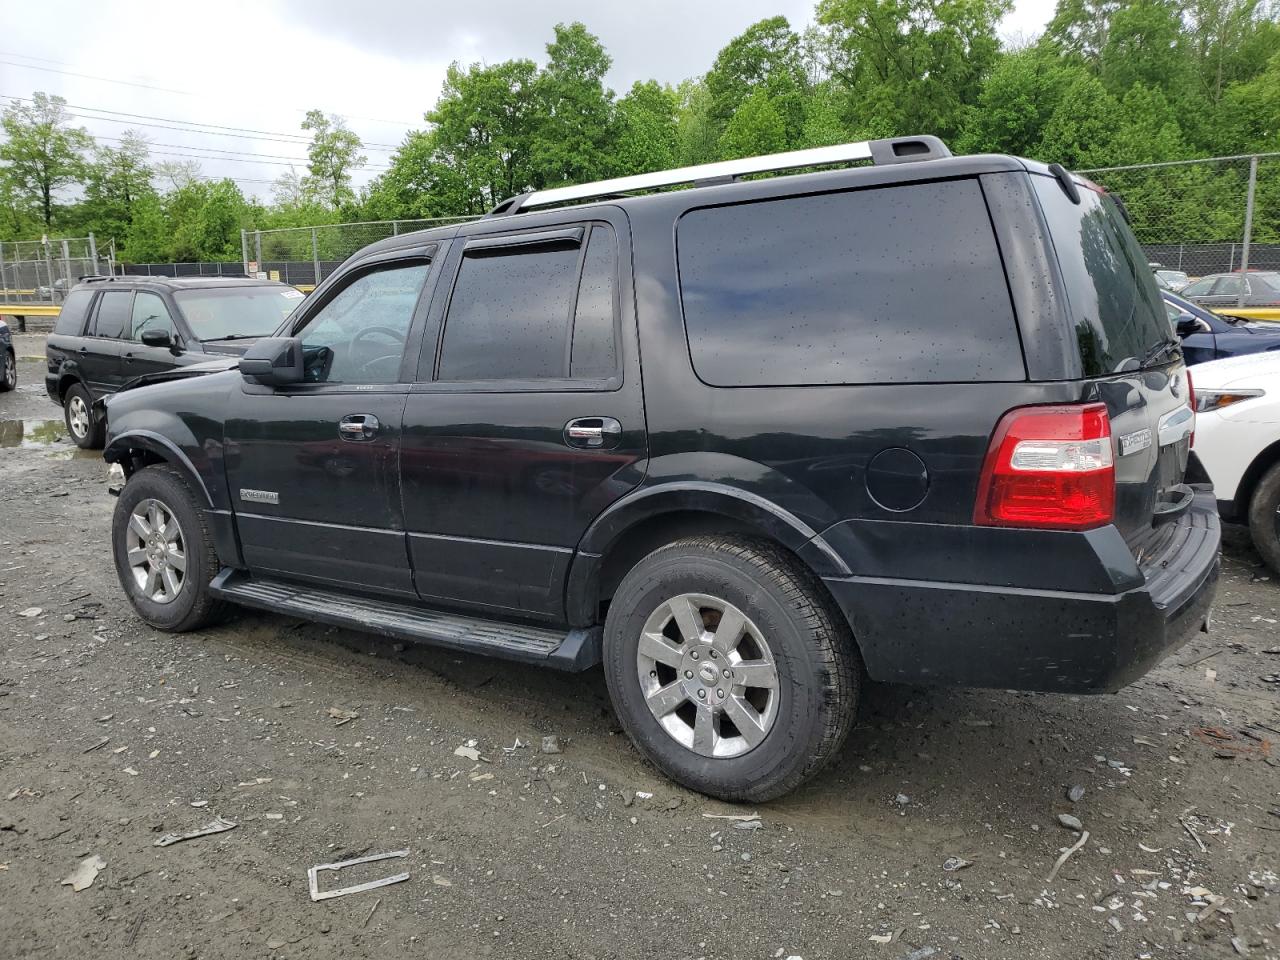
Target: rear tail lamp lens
pixel 1049 468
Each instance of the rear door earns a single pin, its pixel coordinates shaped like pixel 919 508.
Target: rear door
pixel 1120 320
pixel 99 351
pixel 530 421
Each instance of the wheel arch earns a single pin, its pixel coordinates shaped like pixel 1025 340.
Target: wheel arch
pixel 648 519
pixel 142 448
pixel 1266 458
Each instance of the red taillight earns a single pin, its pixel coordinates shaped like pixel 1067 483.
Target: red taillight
pixel 1049 467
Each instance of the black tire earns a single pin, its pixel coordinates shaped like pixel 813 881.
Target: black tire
pixel 8 372
pixel 87 432
pixel 193 606
pixel 818 669
pixel 1264 517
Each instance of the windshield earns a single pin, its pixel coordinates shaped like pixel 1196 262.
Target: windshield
pixel 1114 300
pixel 215 314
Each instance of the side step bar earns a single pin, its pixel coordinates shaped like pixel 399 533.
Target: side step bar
pixel 574 651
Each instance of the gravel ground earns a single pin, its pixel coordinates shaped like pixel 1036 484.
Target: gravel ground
pixel 113 734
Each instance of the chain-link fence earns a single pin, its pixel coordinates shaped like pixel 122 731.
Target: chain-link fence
pixel 1198 216
pixel 40 272
pixel 303 256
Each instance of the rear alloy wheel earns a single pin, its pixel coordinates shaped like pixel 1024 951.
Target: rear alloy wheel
pixel 85 429
pixel 1264 517
pixel 729 667
pixel 708 676
pixel 8 372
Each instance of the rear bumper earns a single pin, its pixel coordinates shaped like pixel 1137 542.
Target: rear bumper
pixel 1032 638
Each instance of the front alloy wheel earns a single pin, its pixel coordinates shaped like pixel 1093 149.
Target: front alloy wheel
pixel 78 417
pixel 707 675
pixel 156 551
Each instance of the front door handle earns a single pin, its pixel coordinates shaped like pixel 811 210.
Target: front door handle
pixel 358 426
pixel 593 433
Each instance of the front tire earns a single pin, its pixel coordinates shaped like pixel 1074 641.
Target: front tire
pixel 163 551
pixel 85 429
pixel 728 667
pixel 1264 517
pixel 8 372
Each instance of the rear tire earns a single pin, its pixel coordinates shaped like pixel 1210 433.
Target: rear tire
pixel 1264 517
pixel 165 572
pixel 86 430
pixel 788 689
pixel 8 372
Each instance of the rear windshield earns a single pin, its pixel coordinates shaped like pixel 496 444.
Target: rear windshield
pixel 214 314
pixel 899 284
pixel 1115 302
pixel 71 316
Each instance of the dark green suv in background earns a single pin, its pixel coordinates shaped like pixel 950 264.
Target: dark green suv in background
pixel 113 329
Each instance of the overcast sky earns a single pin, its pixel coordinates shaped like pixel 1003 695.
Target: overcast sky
pixel 259 66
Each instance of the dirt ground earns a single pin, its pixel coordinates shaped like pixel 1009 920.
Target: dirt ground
pixel 113 734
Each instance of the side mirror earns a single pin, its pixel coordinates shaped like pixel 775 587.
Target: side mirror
pixel 1187 325
pixel 159 338
pixel 273 361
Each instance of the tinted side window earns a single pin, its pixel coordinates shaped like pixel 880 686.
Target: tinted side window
pixel 112 319
pixel 509 315
pixel 149 313
pixel 594 350
pixel 359 335
pixel 71 317
pixel 893 284
pixel 1227 287
pixel 1200 288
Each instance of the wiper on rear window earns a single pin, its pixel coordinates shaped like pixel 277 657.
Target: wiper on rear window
pixel 1157 350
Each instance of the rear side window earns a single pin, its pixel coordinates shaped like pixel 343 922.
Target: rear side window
pixel 534 312
pixel 1115 303
pixel 114 309
pixel 71 316
pixel 898 284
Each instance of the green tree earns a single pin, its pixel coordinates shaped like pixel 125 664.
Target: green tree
pixel 147 239
pixel 575 111
pixel 42 153
pixel 1018 97
pixel 911 66
pixel 756 128
pixel 1144 45
pixel 646 131
pixel 116 179
pixel 697 135
pixel 766 58
pixel 1080 131
pixel 332 156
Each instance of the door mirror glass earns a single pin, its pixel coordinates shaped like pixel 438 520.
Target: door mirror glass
pixel 156 338
pixel 273 361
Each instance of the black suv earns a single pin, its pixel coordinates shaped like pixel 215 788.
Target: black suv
pixel 113 329
pixel 747 444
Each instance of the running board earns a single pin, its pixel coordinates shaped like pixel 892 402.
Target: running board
pixel 574 651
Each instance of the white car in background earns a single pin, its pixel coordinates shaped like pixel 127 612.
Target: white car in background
pixel 1238 442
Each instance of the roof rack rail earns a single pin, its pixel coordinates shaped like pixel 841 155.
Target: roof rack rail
pixel 893 150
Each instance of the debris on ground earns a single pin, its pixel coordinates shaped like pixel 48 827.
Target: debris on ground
pixel 1066 855
pixel 952 864
pixel 1070 822
pixel 342 716
pixel 31 612
pixel 318 894
pixel 518 745
pixel 1076 793
pixel 217 825
pixel 551 744
pixel 468 751
pixel 902 800
pixel 85 873
pixel 739 817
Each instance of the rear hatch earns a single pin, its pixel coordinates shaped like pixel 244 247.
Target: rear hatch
pixel 1130 357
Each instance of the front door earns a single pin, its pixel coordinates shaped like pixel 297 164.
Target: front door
pixel 530 421
pixel 136 358
pixel 313 468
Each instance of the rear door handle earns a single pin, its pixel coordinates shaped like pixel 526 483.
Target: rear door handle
pixel 593 433
pixel 358 426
